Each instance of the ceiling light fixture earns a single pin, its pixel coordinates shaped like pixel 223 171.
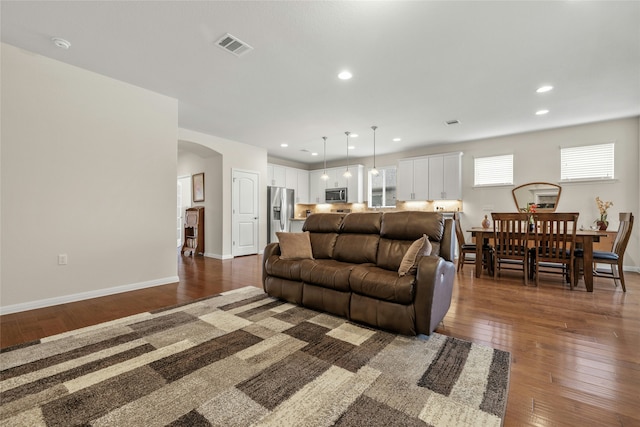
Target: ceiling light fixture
pixel 374 171
pixel 397 139
pixel 543 89
pixel 354 135
pixel 284 145
pixel 324 176
pixel 345 75
pixel 347 173
pixel 61 43
pixel 541 112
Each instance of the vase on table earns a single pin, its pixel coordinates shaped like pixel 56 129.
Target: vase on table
pixel 602 225
pixel 486 223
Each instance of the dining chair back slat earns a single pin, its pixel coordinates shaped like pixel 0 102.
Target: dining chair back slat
pixel 554 237
pixel 510 235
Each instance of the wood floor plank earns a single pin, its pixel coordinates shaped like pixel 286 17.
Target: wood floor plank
pixel 575 355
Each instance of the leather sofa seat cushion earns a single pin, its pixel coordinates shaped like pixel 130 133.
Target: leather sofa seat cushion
pixel 284 268
pixel 322 244
pixel 327 273
pixel 356 248
pixel 382 284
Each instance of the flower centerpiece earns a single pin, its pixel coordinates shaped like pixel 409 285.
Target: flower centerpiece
pixel 530 209
pixel 602 207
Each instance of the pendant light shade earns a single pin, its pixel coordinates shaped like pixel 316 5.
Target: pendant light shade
pixel 374 171
pixel 324 176
pixel 347 173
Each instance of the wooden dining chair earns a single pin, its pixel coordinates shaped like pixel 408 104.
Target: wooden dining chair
pixel 554 243
pixel 613 258
pixel 467 251
pixel 510 236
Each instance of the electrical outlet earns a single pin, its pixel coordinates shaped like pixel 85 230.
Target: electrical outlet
pixel 62 259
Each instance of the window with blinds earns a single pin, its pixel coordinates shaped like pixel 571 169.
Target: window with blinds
pixel 494 170
pixel 587 162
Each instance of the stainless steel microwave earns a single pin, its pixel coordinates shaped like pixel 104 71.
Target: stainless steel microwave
pixel 335 195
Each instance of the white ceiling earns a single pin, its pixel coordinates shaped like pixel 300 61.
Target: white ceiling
pixel 416 64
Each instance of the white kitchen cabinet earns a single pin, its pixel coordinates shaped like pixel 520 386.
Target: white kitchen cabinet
pixel 317 186
pixel 276 175
pixel 302 189
pixel 413 179
pixel 354 185
pixel 445 177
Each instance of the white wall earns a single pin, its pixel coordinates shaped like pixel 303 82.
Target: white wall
pixel 210 163
pixel 88 169
pixel 235 155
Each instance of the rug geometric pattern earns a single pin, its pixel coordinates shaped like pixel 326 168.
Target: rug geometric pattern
pixel 242 358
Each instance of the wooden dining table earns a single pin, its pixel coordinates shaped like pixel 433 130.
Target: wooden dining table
pixel 584 238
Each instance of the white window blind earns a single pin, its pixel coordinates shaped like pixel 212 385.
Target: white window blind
pixel 587 162
pixel 494 170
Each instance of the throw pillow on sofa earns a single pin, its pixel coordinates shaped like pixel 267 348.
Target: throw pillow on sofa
pixel 418 249
pixel 295 245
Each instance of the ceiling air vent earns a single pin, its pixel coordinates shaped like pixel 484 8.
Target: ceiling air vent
pixel 452 122
pixel 233 44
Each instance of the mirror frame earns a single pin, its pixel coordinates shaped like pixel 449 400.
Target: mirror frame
pixel 515 199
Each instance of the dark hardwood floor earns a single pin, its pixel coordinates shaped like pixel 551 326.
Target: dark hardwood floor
pixel 575 355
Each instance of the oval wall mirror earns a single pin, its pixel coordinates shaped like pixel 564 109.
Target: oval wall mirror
pixel 543 194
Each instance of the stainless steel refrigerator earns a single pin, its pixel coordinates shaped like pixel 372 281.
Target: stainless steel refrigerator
pixel 280 211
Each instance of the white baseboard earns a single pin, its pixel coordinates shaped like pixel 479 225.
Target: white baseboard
pixel 47 302
pixel 218 256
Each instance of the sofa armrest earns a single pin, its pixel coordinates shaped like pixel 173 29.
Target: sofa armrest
pixel 269 250
pixel 434 287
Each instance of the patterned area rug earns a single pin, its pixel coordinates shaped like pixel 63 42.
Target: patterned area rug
pixel 242 358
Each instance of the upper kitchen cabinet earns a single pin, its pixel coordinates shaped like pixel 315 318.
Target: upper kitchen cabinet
pixel 412 181
pixel 276 175
pixel 435 177
pixel 296 179
pixel 354 185
pixel 445 177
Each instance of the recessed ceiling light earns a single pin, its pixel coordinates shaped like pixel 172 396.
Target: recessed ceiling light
pixel 61 43
pixel 353 135
pixel 314 154
pixel 345 75
pixel 541 112
pixel 284 145
pixel 397 139
pixel 543 89
pixel 352 147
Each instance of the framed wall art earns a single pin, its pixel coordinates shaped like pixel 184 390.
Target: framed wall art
pixel 198 187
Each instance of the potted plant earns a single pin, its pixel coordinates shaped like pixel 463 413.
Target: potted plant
pixel 602 222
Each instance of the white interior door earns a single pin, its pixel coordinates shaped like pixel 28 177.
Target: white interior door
pixel 245 213
pixel 184 202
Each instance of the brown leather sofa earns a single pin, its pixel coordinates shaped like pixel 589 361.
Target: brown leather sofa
pixel 354 272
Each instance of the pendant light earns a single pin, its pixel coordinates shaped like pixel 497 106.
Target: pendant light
pixel 347 173
pixel 374 171
pixel 324 176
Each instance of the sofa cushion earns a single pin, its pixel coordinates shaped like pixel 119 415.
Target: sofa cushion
pixel 323 223
pixel 362 223
pixel 322 244
pixel 418 249
pixel 327 273
pixel 294 245
pixel 283 268
pixel 382 284
pixel 356 248
pixel 324 228
pixel 411 225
